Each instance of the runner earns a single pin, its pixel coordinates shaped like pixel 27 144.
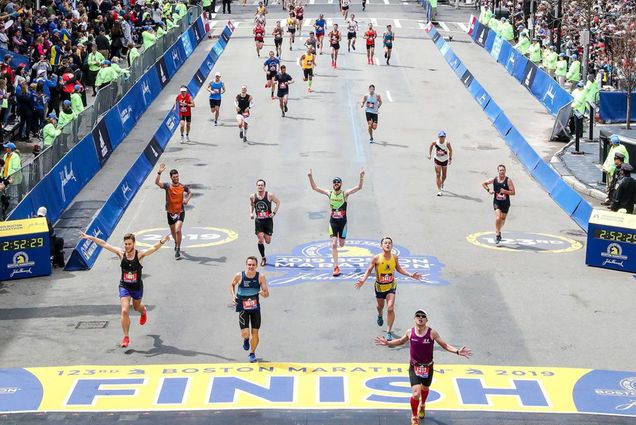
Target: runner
pixel 245 289
pixel 284 80
pixel 352 29
pixel 370 36
pixel 387 39
pixel 308 62
pixel 278 38
pixel 443 158
pixel 371 102
pixel 344 8
pixel 338 220
pixel 300 12
pixel 216 89
pixel 259 17
pixel 291 28
pixel 130 283
pixel 421 339
pixel 385 265
pixel 364 5
pixel 175 205
pixel 319 26
pixel 259 37
pixel 185 103
pixel 334 42
pixel 271 69
pixel 503 189
pixel 243 103
pixel 311 42
pixel 262 214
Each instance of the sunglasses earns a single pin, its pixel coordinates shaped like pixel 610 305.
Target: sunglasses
pixel 337 182
pixel 420 316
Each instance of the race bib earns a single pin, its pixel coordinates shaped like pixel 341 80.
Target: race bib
pixel 250 304
pixel 183 108
pixel 421 371
pixel 310 63
pixel 370 105
pixel 215 91
pixel 246 114
pixel 501 196
pixel 262 214
pixel 272 68
pixel 130 277
pixel 174 216
pixel 337 214
pixel 386 278
pixel 282 86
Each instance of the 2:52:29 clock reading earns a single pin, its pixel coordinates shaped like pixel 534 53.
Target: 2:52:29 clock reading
pixel 26 243
pixel 615 235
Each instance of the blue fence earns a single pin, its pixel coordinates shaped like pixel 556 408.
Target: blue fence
pixel 567 198
pixel 60 186
pixel 86 252
pixel 613 106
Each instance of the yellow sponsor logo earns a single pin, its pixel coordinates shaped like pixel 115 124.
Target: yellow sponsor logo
pixel 525 242
pixel 193 237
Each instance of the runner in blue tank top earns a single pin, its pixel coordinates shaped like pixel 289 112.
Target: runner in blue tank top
pixel 422 340
pixel 319 26
pixel 387 40
pixel 246 287
pixel 216 88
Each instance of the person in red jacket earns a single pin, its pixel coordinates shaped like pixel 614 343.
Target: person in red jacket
pixel 185 103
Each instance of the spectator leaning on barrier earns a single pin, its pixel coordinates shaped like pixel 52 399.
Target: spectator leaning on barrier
pixel 625 191
pixel 507 31
pixel 115 65
pixel 149 37
pixel 76 99
pixel 66 114
pixel 619 160
pixel 50 130
pixel 524 42
pixel 106 75
pixel 132 54
pixel 616 147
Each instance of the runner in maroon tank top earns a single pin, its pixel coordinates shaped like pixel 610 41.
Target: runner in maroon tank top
pixel 422 339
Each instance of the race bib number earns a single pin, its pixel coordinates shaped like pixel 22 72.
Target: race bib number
pixel 337 214
pixel 272 68
pixel 421 371
pixel 283 85
pixel 370 105
pixel 215 91
pixel 501 196
pixel 246 114
pixel 262 214
pixel 440 152
pixel 130 277
pixel 250 304
pixel 386 278
pixel 174 216
pixel 183 108
pixel 310 63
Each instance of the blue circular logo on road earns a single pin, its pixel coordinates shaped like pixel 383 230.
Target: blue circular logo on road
pixel 609 392
pixel 20 391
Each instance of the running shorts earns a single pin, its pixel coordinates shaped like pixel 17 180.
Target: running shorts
pixel 308 72
pixel 336 46
pixel 370 46
pixel 504 207
pixel 215 102
pixel 271 75
pixel 186 118
pixel 282 93
pixel 247 318
pixel 173 218
pixel 372 117
pixel 278 41
pixel 351 35
pixel 383 294
pixel 265 225
pixel 418 380
pixel 440 163
pixel 135 295
pixel 291 30
pixel 338 228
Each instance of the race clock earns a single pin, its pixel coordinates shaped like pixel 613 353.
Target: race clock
pixel 24 249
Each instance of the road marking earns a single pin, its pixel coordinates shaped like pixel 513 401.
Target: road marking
pixel 525 242
pixel 330 1
pixel 388 96
pixel 444 26
pixel 329 22
pixel 213 24
pixel 193 237
pixel 298 61
pixel 312 1
pixel 397 23
pixel 236 24
pixel 213 15
pixel 462 26
pixel 421 25
pixel 374 21
pixel 375 61
pixel 386 2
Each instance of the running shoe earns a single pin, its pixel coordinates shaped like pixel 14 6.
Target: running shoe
pixel 215 123
pixel 240 134
pixel 385 54
pixel 336 271
pixel 389 336
pixel 263 261
pixel 188 138
pixel 414 420
pixel 353 47
pixel 125 342
pixel 387 62
pixel 283 114
pixel 177 254
pixel 182 138
pixel 498 239
pixel 144 317
pixel 286 109
pixel 246 344
pixel 244 138
pixel 371 140
pixel 252 358
pixel 439 193
pixel 380 321
pixel 421 411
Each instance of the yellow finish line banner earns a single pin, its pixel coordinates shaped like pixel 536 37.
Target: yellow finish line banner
pixel 311 386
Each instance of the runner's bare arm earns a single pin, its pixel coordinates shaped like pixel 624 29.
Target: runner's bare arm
pixel 364 278
pixel 222 88
pixel 450 153
pixel 264 289
pixel 399 268
pixel 252 206
pixel 188 196
pixel 430 149
pixel 115 250
pixel 379 101
pixel 313 184
pixel 162 168
pixel 463 351
pixel 153 248
pixel 486 185
pixel 511 185
pixel 380 340
pixel 235 281
pixel 273 198
pixel 358 187
pixel 364 101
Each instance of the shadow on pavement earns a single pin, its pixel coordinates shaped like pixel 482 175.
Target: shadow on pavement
pixel 159 348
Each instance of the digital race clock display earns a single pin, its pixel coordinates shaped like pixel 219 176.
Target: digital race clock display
pixel 25 243
pixel 615 236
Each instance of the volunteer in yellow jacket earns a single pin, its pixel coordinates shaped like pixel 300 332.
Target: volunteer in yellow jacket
pixel 385 266
pixel 524 42
pixel 149 37
pixel 551 61
pixel 50 130
pixel 615 147
pixel 76 99
pixel 574 72
pixel 95 60
pixel 534 51
pixel 561 69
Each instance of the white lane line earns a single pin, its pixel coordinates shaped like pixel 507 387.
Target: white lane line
pixel 309 22
pixel 386 2
pixel 236 24
pixel 374 21
pixel 312 1
pixel 330 1
pixel 298 61
pixel 444 26
pixel 421 25
pixel 329 22
pixel 462 26
pixel 213 23
pixel 397 23
pixel 213 15
pixel 375 61
pixel 388 96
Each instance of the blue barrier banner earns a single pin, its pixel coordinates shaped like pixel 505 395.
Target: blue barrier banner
pixel 481 35
pixel 519 71
pixel 511 61
pixel 199 30
pixel 540 83
pixel 546 176
pixel 492 111
pixel 115 128
pixel 582 213
pixel 567 198
pixel 167 128
pixel 153 151
pixel 162 72
pixel 528 156
pixel 495 50
pixel 502 124
pixel 529 74
pixel 188 45
pixel 553 96
pixel 515 140
pixel 460 70
pixel 85 251
pixel 479 94
pixel 490 39
pixel 613 106
pixel 504 53
pixel 475 30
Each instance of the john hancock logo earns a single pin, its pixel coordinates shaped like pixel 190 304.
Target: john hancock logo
pixel 614 255
pixel 627 390
pixel 312 262
pixel 20 264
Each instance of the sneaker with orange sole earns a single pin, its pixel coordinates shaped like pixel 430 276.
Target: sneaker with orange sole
pixel 125 342
pixel 144 317
pixel 336 271
pixel 421 411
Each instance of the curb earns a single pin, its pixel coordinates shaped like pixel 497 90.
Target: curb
pixel 574 182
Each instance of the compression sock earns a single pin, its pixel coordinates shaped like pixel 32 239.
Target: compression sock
pixel 261 249
pixel 424 394
pixel 415 404
pixel 310 82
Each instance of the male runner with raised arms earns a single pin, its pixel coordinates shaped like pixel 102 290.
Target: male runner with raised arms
pixel 334 42
pixel 284 80
pixel 338 219
pixel 278 40
pixel 422 340
pixel 175 205
pixel 502 190
pixel 319 26
pixel 370 36
pixel 371 103
pixel 443 158
pixel 131 285
pixel 352 28
pixel 387 39
pixel 262 214
pixel 216 88
pixel 243 103
pixel 245 289
pixel 385 265
pixel 307 63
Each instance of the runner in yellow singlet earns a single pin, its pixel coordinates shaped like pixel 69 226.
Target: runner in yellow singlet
pixel 307 63
pixel 385 265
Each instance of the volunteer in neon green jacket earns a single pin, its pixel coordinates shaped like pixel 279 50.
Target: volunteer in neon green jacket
pixel 182 9
pixel 578 95
pixel 94 60
pixel 507 31
pixel 105 76
pixel 551 61
pixel 524 43
pixel 149 37
pixel 591 89
pixel 493 24
pixel 12 163
pixel 574 72
pixel 534 51
pixel 561 69
pixel 66 114
pixel 485 15
pixel 76 100
pixel 50 130
pixel 616 147
pixel 133 54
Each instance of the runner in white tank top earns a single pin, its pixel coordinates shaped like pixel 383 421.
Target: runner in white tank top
pixel 443 158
